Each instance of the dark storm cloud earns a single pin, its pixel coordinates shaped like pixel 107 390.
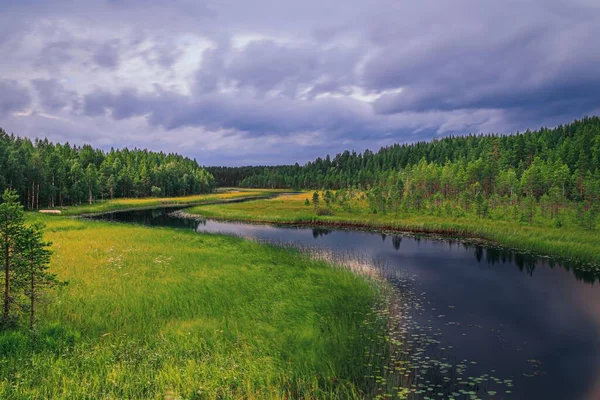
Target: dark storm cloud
pixel 539 66
pixel 53 96
pixel 13 97
pixel 250 115
pixel 126 104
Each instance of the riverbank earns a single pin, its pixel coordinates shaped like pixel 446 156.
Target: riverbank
pixel 129 204
pixel 569 243
pixel 159 312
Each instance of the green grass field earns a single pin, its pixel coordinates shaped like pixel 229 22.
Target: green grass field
pixel 153 313
pixel 569 241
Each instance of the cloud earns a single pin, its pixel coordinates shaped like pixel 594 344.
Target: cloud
pixel 14 97
pixel 308 78
pixel 107 55
pixel 53 96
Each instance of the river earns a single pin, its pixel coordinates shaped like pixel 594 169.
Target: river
pixel 529 322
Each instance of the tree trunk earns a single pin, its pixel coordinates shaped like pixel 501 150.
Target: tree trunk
pixel 53 193
pixel 6 276
pixel 31 293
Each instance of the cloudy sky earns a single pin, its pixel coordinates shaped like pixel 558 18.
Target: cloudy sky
pixel 244 82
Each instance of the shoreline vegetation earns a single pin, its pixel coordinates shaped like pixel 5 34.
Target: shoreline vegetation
pixel 568 243
pixel 155 312
pixel 225 195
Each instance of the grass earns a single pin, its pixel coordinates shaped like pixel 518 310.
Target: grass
pixel 159 313
pixel 133 203
pixel 570 241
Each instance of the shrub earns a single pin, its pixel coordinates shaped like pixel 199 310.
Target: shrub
pixel 324 211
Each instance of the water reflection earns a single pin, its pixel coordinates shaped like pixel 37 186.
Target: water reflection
pixel 319 232
pixel 396 242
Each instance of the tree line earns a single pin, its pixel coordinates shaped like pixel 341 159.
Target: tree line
pixel 547 168
pixel 233 176
pixel 45 174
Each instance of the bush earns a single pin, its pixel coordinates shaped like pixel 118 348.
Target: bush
pixel 324 211
pixel 156 191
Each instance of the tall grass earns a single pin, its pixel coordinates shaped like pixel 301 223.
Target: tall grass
pixel 155 312
pixel 569 241
pixel 101 206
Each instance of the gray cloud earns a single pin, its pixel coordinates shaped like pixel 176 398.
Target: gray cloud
pixel 537 65
pixel 107 55
pixel 53 96
pixel 13 97
pixel 164 53
pixel 281 116
pixel 55 54
pixel 313 76
pixel 266 67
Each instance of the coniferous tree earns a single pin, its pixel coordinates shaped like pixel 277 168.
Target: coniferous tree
pixel 35 257
pixel 315 199
pixel 11 228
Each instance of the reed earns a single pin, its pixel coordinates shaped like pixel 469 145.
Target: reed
pixel 158 313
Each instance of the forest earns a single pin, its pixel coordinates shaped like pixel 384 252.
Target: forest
pixel 45 174
pixel 549 169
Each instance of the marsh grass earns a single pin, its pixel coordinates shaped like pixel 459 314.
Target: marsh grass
pixel 156 312
pixel 570 242
pixel 402 358
pixel 101 206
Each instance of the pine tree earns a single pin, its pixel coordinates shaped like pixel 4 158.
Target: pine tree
pixel 11 226
pixel 35 256
pixel 315 199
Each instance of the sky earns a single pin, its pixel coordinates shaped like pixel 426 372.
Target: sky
pixel 236 82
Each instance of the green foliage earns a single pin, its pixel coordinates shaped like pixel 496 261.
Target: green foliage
pixel 156 191
pixel 324 211
pixel 562 163
pixel 35 257
pixel 315 199
pixel 152 311
pixel 307 202
pixel 328 197
pixel 481 206
pixel 26 258
pixel 12 224
pixel 47 174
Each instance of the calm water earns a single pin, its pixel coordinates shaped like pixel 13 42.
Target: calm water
pixel 510 315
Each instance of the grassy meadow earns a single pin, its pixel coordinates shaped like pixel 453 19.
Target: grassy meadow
pixel 569 241
pixel 159 313
pixel 222 195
